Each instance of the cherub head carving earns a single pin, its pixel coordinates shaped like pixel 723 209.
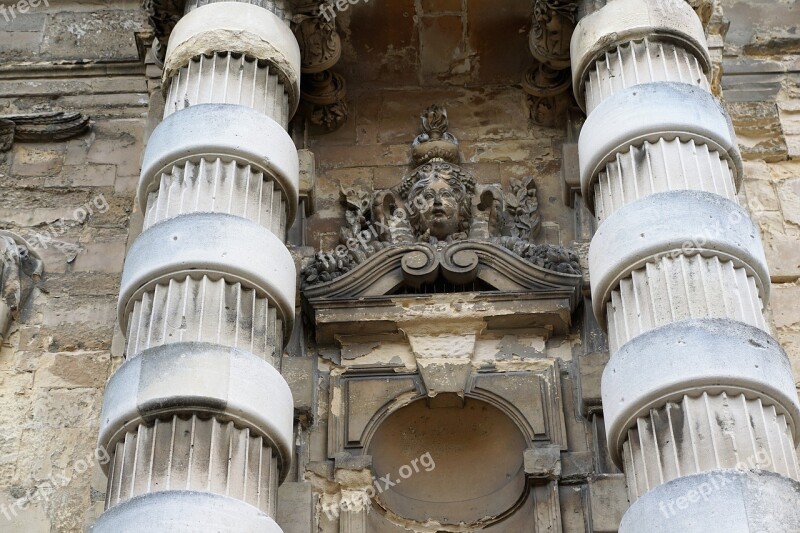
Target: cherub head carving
pixel 439 200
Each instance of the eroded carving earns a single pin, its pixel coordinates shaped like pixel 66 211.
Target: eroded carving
pixel 41 127
pixel 549 97
pixel 548 81
pixel 551 31
pixel 324 92
pixel 164 14
pixel 20 265
pixel 323 100
pixel 440 222
pixel 320 44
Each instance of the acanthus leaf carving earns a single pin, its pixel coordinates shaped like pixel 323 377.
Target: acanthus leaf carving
pixel 320 44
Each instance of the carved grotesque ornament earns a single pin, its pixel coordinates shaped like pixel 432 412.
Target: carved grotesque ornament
pixel 19 266
pixel 440 216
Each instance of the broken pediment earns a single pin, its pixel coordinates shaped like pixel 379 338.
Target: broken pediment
pixel 440 231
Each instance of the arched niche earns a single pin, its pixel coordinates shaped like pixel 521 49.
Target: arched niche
pixel 450 465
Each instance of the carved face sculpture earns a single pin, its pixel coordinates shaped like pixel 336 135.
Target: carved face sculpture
pixel 439 205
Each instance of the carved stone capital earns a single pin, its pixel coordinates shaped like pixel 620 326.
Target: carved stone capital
pixel 324 100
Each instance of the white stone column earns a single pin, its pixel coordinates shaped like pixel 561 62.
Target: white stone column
pixel 696 388
pixel 198 420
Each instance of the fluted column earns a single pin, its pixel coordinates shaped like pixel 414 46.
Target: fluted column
pixel 699 400
pixel 198 420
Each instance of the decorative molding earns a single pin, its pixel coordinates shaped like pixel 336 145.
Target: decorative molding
pixel 164 14
pixel 362 399
pixel 41 127
pixel 549 98
pixel 459 263
pixel 323 100
pixel 20 267
pixel 323 92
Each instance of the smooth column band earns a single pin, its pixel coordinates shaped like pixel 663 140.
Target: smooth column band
pixel 190 378
pixel 689 358
pixel 226 131
pixel 216 245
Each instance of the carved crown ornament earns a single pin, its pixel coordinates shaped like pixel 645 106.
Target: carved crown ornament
pixel 440 226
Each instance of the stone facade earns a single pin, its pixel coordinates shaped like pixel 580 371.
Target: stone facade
pixel 430 363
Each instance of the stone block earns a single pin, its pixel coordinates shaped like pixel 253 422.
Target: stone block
pixel 498 40
pixel 72 369
pixel 543 462
pixel 590 372
pixel 65 409
pixel 119 143
pixel 295 508
pixel 35 160
pixel 308 178
pixel 86 176
pixel 441 46
pixel 389 55
pixel 101 34
pixel 20 514
pixel 609 501
pixel 576 465
pixel 101 256
pixel 758 129
pixel 785 308
pixel 438 6
pixel 299 374
pixel 789 195
pixel 760 196
pixel 780 246
pixel 16 44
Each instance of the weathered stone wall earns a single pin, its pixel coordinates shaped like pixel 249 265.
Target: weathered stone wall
pixel 72 200
pixel 761 86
